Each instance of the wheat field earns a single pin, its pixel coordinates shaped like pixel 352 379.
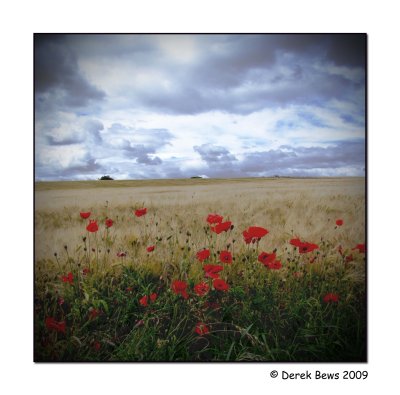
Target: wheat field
pixel 306 208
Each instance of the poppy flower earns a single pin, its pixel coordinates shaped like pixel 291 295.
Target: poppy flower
pixel 253 234
pixel 275 265
pixel 225 257
pixel 221 227
pixel 150 248
pixel 349 258
pixel 93 313
pixel 214 219
pixel 109 223
pixel 60 301
pixel 92 227
pixel 143 300
pixel 85 215
pixel 266 258
pixel 307 247
pixel 331 297
pixel 203 255
pixel 340 250
pixel 201 329
pixel 220 285
pixel 121 254
pixel 69 278
pixel 360 248
pixel 85 271
pixel 153 297
pixel 212 270
pixel 140 212
pixel 296 242
pixel 58 326
pixel 201 289
pixel 339 222
pixel 179 288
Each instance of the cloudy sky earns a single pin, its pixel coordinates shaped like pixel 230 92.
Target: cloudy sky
pixel 173 106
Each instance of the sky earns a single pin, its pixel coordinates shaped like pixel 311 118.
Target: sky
pixel 140 106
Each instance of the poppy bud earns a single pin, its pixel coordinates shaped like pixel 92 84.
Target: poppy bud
pixel 65 247
pixel 55 254
pixel 84 238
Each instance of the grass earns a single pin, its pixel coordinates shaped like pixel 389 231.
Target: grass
pixel 266 315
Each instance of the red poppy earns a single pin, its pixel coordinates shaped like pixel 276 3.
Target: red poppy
pixel 266 258
pixel 349 258
pixel 60 301
pixel 143 300
pixel 85 215
pixel 220 285
pixel 203 255
pixel 225 257
pixel 121 254
pixel 150 248
pixel 221 227
pixel 51 323
pixel 214 218
pixel 331 297
pixel 339 222
pixel 92 227
pixel 340 249
pixel 109 223
pixel 153 297
pixel 140 212
pixel 360 248
pixel 93 313
pixel 179 288
pixel 85 271
pixel 253 234
pixel 275 265
pixel 201 289
pixel 212 270
pixel 307 247
pixel 201 329
pixel 69 278
pixel 96 345
pixel 296 242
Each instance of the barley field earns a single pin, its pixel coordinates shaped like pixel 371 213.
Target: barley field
pixel 200 270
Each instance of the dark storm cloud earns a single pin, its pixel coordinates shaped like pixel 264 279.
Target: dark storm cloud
pixel 214 155
pixel 246 73
pixel 283 160
pixel 57 76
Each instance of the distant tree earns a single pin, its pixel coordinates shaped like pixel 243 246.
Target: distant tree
pixel 196 177
pixel 106 178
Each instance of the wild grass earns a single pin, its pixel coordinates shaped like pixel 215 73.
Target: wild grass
pixel 267 315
